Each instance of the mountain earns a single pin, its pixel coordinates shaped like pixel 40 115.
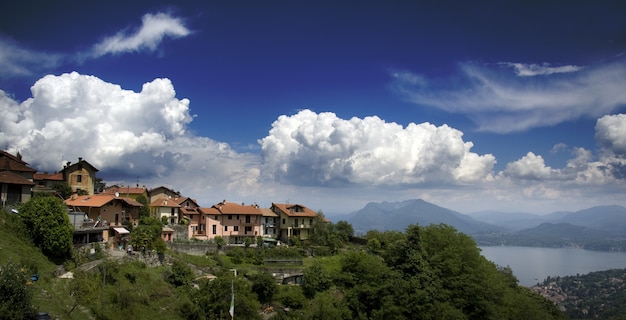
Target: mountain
pixel 399 215
pixel 512 221
pixel 608 218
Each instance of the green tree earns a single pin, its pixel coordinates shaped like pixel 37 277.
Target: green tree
pixel 49 226
pixel 264 285
pixel 220 242
pixel 180 274
pixel 15 295
pixel 315 279
pixel 144 211
pixel 344 230
pixel 147 235
pixel 214 298
pixel 63 189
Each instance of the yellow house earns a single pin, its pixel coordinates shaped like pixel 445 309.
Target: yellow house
pixel 295 221
pixel 80 176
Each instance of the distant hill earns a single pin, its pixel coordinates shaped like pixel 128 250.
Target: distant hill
pixel 608 218
pixel 384 216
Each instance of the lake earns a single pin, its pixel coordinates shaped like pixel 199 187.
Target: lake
pixel 532 265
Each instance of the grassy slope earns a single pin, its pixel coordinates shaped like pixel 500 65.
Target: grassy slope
pixel 49 293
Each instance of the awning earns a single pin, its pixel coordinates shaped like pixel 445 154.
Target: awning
pixel 121 230
pixel 269 240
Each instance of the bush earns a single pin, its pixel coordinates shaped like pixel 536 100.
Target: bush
pixel 15 294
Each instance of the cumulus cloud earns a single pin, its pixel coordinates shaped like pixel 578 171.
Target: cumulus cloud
pixel 154 27
pixel 321 149
pixel 530 166
pixel 123 133
pixel 611 133
pixel 498 100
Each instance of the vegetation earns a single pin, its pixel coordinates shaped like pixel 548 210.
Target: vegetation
pixel 48 225
pixel 430 272
pixel 15 295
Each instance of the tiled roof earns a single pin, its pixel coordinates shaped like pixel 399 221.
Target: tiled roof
pixel 98 200
pixel 9 162
pixel 9 177
pixel 267 212
pixel 210 211
pixel 164 203
pixel 124 190
pixel 234 208
pixel 295 210
pixel 48 176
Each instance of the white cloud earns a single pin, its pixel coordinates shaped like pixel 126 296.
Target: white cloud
pixel 310 149
pixel 500 101
pixel 125 134
pixel 530 166
pixel 144 135
pixel 529 70
pixel 153 29
pixel 611 133
pixel 17 61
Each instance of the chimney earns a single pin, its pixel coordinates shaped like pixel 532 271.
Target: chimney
pixel 80 159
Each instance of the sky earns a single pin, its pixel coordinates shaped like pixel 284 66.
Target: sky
pixel 516 106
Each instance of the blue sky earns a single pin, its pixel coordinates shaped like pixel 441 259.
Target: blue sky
pixel 515 106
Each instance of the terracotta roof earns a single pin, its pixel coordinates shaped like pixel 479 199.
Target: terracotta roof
pixel 267 212
pixel 164 203
pixel 14 178
pixel 234 208
pixel 98 200
pixel 48 176
pixel 210 211
pixel 181 200
pixel 188 210
pixel 124 190
pixel 295 210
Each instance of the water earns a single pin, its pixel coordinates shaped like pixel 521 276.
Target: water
pixel 533 265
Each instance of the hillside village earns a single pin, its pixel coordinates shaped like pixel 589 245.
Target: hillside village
pixel 102 214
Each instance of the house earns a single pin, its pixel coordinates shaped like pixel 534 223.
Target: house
pixel 165 209
pixel 213 222
pixel 189 211
pixel 44 182
pixel 80 176
pixel 269 223
pixel 235 222
pixel 109 211
pixel 16 179
pixel 161 193
pixel 295 221
pixel 126 191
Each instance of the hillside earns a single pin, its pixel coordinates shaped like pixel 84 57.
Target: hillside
pixel 398 215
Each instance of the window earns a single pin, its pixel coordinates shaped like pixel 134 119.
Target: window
pixel 236 228
pixel 295 223
pixel 215 218
pixel 79 178
pixel 237 217
pixel 247 219
pixel 230 217
pixel 225 228
pixel 214 229
pixel 283 221
pixel 248 229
